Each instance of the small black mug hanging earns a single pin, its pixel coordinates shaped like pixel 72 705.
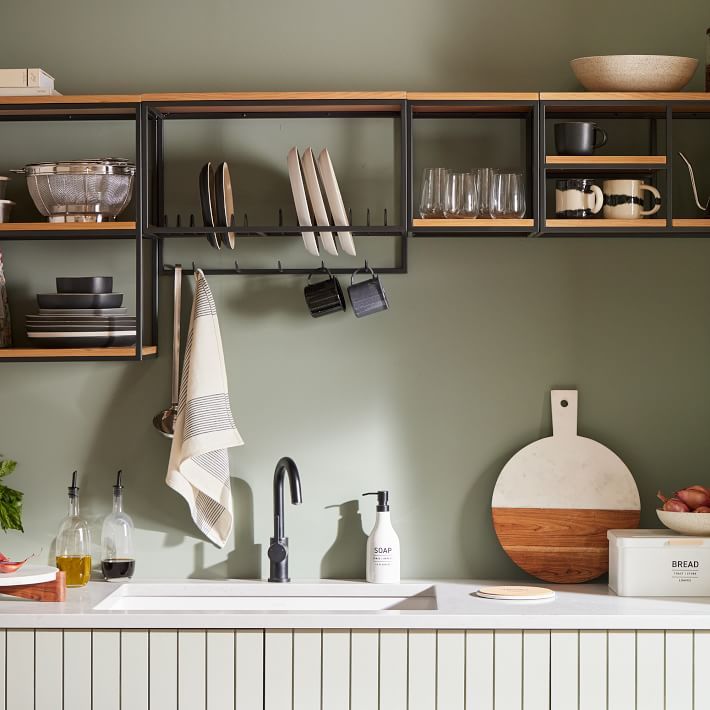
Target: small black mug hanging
pixel 324 297
pixel 367 297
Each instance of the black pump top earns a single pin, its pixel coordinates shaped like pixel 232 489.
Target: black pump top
pixel 73 489
pixel 383 500
pixel 118 487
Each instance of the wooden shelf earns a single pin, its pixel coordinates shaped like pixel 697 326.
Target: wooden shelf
pixel 604 223
pixel 473 223
pixel 605 160
pixel 74 353
pixel 694 223
pixel 67 227
pixel 624 96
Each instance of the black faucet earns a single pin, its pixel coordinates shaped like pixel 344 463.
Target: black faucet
pixel 278 545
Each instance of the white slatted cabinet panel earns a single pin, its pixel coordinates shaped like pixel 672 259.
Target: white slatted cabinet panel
pixel 593 670
pixel 536 670
pixel 249 673
pixel 564 681
pixel 278 669
pixel 3 641
pixel 306 669
pixel 393 669
pixel 49 669
pixel 20 668
pixel 702 669
pixel 105 669
pixel 134 669
pixel 192 669
pixel 450 669
pixel 364 669
pixel 622 670
pixel 163 669
pixel 220 669
pixel 336 669
pixel 679 670
pixel 77 669
pixel 479 670
pixel 422 669
pixel 650 670
pixel 508 666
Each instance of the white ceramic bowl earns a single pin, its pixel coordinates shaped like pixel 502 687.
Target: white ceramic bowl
pixel 634 72
pixel 686 523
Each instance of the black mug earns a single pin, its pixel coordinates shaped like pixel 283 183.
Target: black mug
pixel 324 297
pixel 368 296
pixel 578 137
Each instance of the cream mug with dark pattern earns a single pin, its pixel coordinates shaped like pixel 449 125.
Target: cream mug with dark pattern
pixel 623 199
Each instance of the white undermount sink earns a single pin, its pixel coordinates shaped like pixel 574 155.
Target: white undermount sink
pixel 261 597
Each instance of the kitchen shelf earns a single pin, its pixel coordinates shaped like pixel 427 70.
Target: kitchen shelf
pixel 605 223
pixel 60 354
pixel 472 227
pixel 692 223
pixel 67 230
pixel 606 161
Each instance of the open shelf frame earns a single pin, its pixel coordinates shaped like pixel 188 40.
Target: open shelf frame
pixel 88 108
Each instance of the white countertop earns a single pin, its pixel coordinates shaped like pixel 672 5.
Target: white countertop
pixel 584 606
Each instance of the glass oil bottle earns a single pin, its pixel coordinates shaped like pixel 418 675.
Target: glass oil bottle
pixel 74 542
pixel 117 557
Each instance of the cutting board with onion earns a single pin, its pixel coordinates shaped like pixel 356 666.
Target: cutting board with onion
pixel 555 500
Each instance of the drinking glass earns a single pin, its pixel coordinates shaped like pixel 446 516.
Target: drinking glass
pixel 431 205
pixel 471 195
pixel 484 188
pixel 453 194
pixel 507 195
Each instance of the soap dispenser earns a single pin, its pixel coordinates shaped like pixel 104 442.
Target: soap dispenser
pixel 117 557
pixel 74 542
pixel 382 545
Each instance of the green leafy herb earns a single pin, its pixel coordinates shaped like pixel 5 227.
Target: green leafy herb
pixel 10 500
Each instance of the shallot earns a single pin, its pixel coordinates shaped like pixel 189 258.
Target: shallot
pixel 686 500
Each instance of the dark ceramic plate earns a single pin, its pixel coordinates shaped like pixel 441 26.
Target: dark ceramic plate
pixel 84 284
pixel 58 312
pixel 207 201
pixel 62 328
pixel 80 340
pixel 79 300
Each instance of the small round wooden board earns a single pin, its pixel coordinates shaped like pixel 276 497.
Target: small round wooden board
pixel 514 593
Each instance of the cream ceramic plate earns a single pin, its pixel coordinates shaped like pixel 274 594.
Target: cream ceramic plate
pixel 321 214
pixel 299 199
pixel 29 574
pixel 335 200
pixel 512 593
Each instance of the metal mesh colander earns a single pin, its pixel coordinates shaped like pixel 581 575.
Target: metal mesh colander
pixel 81 191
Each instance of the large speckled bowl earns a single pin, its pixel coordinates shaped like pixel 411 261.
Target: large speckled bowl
pixel 634 72
pixel 686 523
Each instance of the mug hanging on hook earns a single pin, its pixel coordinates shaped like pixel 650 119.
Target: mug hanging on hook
pixel 367 297
pixel 324 297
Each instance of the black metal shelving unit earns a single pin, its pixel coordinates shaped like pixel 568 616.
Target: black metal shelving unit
pixel 88 108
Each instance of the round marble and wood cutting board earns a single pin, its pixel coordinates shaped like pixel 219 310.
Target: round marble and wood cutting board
pixel 555 500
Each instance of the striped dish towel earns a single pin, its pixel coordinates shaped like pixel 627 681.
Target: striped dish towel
pixel 204 429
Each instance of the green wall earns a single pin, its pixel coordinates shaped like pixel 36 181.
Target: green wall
pixel 428 400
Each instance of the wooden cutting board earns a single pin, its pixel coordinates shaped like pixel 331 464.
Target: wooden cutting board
pixel 556 498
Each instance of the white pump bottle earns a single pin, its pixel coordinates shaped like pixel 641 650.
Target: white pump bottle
pixel 382 545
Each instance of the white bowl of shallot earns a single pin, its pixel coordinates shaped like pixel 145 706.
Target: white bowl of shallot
pixel 687 511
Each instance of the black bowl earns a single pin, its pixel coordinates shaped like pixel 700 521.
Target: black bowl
pixel 79 300
pixel 84 284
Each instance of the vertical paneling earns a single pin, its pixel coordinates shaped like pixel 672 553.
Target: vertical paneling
pixel 650 670
pixel 306 669
pixel 508 670
pixel 77 669
pixel 49 669
pixel 278 669
pixel 220 669
pixel 192 669
pixel 479 670
pixel 105 669
pixel 364 669
pixel 536 670
pixel 393 669
pixel 450 669
pixel 336 669
pixel 593 670
pixel 679 670
pixel 20 668
pixel 422 669
pixel 701 657
pixel 163 669
pixel 564 681
pixel 134 669
pixel 3 667
pixel 622 670
pixel 249 673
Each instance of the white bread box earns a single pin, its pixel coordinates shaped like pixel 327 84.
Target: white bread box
pixel 658 563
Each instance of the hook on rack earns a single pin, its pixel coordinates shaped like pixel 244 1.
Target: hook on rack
pixel 237 268
pixel 281 217
pixel 194 268
pixel 368 216
pixel 385 216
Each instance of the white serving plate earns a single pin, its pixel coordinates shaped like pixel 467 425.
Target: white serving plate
pixel 300 201
pixel 308 165
pixel 335 200
pixel 29 574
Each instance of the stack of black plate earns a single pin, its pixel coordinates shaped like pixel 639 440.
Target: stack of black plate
pixel 84 313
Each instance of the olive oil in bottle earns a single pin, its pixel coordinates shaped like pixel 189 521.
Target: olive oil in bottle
pixel 117 557
pixel 74 542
